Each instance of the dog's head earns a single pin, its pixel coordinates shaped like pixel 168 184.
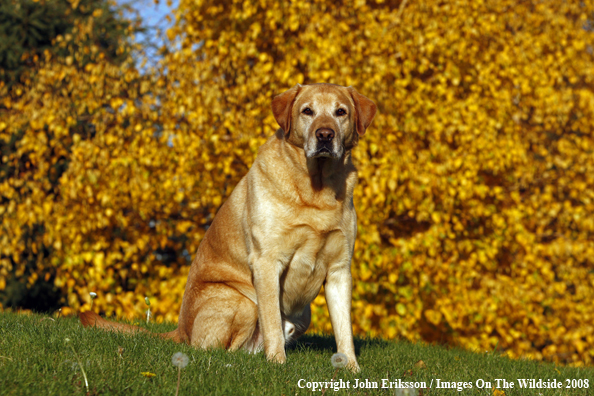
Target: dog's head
pixel 325 120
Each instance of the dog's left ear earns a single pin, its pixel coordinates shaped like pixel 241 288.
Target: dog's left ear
pixel 365 110
pixel 282 106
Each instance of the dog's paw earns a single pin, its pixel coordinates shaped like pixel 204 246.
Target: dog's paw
pixel 278 357
pixel 353 367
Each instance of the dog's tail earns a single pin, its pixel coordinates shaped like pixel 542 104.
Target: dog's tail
pixel 91 319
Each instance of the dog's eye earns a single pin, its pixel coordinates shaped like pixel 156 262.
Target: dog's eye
pixel 307 111
pixel 340 112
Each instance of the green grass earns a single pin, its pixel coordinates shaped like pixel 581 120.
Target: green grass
pixel 35 360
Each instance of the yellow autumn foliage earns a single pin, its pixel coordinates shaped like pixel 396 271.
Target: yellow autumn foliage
pixel 476 180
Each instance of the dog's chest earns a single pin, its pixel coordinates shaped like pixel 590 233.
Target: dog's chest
pixel 306 262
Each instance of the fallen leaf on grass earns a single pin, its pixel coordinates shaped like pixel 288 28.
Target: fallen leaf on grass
pixel 420 364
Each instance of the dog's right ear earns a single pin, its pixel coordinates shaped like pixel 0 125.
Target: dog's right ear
pixel 282 106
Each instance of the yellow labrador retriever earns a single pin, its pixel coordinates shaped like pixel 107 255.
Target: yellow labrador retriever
pixel 287 229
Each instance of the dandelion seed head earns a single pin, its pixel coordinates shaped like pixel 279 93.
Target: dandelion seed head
pixel 180 359
pixel 407 392
pixel 339 360
pixel 67 339
pixel 93 295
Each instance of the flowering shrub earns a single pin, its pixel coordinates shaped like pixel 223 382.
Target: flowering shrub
pixel 476 186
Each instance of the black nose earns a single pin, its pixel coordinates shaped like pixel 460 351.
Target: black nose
pixel 325 135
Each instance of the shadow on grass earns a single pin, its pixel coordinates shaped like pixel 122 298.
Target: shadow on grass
pixel 327 343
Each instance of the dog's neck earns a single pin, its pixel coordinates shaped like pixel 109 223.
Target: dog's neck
pixel 328 178
pixel 324 171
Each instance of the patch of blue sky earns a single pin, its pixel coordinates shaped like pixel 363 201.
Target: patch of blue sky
pixel 157 17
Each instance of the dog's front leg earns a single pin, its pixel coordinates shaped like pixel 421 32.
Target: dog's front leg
pixel 338 289
pixel 267 285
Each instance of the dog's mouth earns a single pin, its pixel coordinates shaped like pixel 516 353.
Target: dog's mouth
pixel 324 150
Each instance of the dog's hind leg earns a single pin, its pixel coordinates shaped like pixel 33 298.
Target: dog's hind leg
pixel 295 326
pixel 225 318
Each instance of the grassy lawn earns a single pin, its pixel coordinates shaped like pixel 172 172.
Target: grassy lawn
pixel 36 360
